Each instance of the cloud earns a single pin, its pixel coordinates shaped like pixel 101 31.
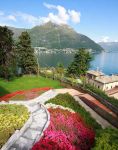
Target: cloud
pixel 49 6
pixel 63 15
pixel 58 14
pixel 32 20
pixel 105 39
pixel 11 17
pixel 75 16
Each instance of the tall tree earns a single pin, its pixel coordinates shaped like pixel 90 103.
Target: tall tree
pixel 81 63
pixel 26 57
pixel 60 70
pixel 6 53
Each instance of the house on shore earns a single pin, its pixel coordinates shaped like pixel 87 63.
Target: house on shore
pixel 101 81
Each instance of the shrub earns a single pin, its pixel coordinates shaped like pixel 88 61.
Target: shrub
pixel 107 140
pixel 12 117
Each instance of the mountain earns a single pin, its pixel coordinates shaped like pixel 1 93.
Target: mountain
pixel 51 35
pixel 17 31
pixel 109 46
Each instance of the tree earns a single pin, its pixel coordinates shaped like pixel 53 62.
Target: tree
pixel 7 61
pixel 60 69
pixel 26 57
pixel 80 64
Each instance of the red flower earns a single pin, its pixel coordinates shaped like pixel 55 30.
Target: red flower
pixel 66 131
pixel 8 96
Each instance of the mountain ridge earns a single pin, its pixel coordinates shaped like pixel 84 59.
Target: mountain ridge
pixel 52 36
pixel 110 46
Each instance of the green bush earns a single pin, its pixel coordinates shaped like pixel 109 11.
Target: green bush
pixel 101 93
pixel 107 139
pixel 67 100
pixel 12 117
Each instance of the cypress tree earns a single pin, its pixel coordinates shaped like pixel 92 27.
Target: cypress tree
pixel 26 57
pixel 7 61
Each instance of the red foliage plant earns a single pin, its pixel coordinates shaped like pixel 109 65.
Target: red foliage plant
pixel 8 96
pixel 67 131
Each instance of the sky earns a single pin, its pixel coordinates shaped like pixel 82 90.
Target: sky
pixel 97 19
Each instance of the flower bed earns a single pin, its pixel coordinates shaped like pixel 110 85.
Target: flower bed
pixel 12 117
pixel 67 131
pixel 24 95
pixel 68 101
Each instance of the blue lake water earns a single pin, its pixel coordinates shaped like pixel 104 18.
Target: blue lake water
pixel 107 62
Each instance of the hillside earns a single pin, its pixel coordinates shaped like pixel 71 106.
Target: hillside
pixel 17 31
pixel 51 35
pixel 109 46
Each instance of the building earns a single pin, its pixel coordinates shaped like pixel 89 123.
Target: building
pixel 102 81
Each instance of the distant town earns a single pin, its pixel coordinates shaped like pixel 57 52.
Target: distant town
pixel 65 50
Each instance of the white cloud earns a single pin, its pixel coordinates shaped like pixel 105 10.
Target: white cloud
pixel 63 15
pixel 11 17
pixel 75 16
pixel 32 20
pixel 49 6
pixel 58 14
pixel 105 39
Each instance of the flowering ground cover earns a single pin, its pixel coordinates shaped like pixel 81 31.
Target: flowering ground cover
pixel 12 117
pixel 25 94
pixel 67 100
pixel 106 139
pixel 67 131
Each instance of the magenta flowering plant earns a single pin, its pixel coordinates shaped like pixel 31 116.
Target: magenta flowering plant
pixel 53 140
pixel 66 131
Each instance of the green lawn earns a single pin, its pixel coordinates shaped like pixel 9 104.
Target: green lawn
pixel 26 83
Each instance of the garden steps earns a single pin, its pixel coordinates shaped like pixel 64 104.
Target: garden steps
pixel 39 119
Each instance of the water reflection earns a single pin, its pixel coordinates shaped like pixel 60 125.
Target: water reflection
pixel 105 61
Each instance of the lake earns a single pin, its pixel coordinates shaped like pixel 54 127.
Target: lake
pixel 107 62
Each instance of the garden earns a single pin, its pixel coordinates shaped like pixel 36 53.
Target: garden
pixel 12 118
pixel 72 128
pixel 24 94
pixel 26 82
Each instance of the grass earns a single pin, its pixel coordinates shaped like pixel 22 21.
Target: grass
pixel 26 83
pixel 12 117
pixel 67 100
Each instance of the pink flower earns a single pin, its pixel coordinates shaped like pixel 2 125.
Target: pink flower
pixel 66 131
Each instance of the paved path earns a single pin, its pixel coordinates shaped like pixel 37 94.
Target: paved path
pixel 35 126
pixel 34 131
